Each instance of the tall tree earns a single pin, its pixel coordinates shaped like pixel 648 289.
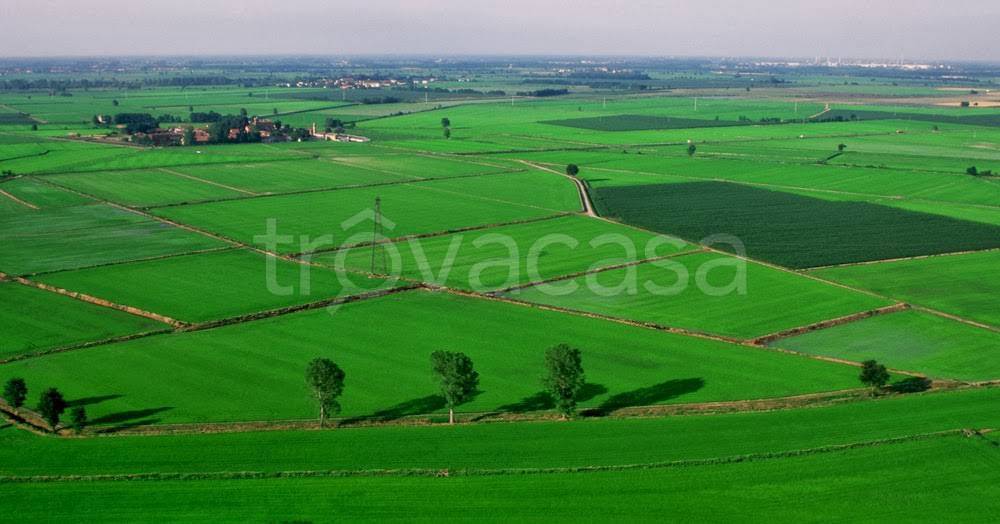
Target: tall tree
pixel 564 377
pixel 445 122
pixel 873 375
pixel 326 380
pixel 51 406
pixel 15 392
pixel 457 378
pixel 572 169
pixel 692 149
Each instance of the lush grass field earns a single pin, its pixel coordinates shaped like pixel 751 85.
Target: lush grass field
pixel 841 484
pixel 37 320
pixel 910 340
pixel 142 188
pixel 502 257
pixel 253 371
pixel 424 207
pixel 175 286
pixel 570 444
pixel 792 230
pixel 638 123
pixel 964 285
pixel 670 293
pixel 72 237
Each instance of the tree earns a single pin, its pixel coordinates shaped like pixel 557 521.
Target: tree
pixel 457 377
pixel 243 112
pixel 447 132
pixel 34 127
pixel 572 169
pixel 565 377
pixel 326 380
pixel 15 391
pixel 691 149
pixel 841 147
pixel 873 375
pixel 445 122
pixel 78 418
pixel 114 103
pixel 51 406
pixel 972 171
pixel 188 136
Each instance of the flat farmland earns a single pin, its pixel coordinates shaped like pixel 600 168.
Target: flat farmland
pixel 795 488
pixel 667 293
pixel 37 320
pixel 423 207
pixel 595 441
pixel 250 371
pixel 506 256
pixel 39 194
pixel 72 237
pixel 963 285
pixel 792 230
pixel 142 188
pixel 911 340
pixel 175 286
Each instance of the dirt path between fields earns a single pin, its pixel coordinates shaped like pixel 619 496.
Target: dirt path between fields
pixel 825 324
pixel 101 302
pixel 588 207
pixel 28 205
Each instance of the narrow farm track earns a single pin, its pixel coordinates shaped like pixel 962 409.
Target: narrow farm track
pixel 28 205
pixel 588 207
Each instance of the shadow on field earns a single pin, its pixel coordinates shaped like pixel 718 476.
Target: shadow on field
pixel 128 419
pixel 86 401
pixel 417 406
pixel 541 401
pixel 647 396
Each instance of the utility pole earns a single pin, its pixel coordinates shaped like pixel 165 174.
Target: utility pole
pixel 377 236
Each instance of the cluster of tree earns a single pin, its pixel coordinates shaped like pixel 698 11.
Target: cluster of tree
pixel 219 131
pixel 51 404
pixel 544 92
pixel 205 118
pixel 136 122
pixel 972 170
pixel 372 100
pixel 457 380
pixel 334 125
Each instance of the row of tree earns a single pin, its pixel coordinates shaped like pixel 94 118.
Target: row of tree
pixel 458 380
pixel 51 404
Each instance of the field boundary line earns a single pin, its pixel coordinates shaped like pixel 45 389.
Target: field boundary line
pixel 593 271
pixel 956 318
pixel 209 182
pixel 85 345
pixel 901 259
pixel 833 322
pixel 316 190
pixel 490 472
pixel 101 302
pixel 28 205
pixel 431 234
pixel 132 261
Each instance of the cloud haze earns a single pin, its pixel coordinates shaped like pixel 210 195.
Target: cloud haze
pixel 848 28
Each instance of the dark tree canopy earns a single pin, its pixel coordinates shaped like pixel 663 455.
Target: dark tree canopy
pixel 15 392
pixel 572 169
pixel 445 122
pixel 326 380
pixel 873 374
pixel 564 378
pixel 692 149
pixel 457 378
pixel 51 406
pixel 78 418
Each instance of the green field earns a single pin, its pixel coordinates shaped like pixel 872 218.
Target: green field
pixel 502 257
pixel 43 320
pixel 963 285
pixel 506 342
pixel 910 340
pixel 72 237
pixel 792 230
pixel 670 293
pixel 175 286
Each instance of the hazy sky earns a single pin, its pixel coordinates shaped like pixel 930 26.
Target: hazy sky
pixel 966 29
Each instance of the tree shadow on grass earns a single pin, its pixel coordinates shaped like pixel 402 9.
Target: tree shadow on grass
pixel 127 419
pixel 87 401
pixel 647 396
pixel 417 406
pixel 542 401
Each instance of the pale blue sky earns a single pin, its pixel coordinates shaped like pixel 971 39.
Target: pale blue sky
pixel 910 29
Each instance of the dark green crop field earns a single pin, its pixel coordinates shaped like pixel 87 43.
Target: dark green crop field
pixel 792 230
